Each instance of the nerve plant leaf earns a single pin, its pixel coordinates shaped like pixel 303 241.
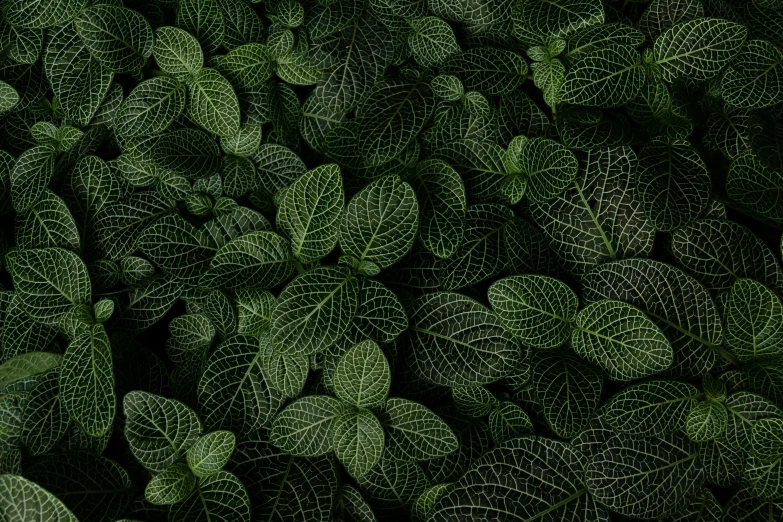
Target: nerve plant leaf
pixel 307 241
pixel 537 309
pixel 622 340
pixel 159 430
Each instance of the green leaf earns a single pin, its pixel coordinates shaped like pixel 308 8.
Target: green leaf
pixel 599 218
pixel 8 97
pixel 27 365
pixel 189 152
pixel 717 252
pixel 755 186
pixel 284 485
pixel 693 325
pixel 247 65
pixel 255 309
pixel 654 407
pixel 608 77
pixel 745 409
pixel 352 505
pixel 362 377
pixel 478 350
pixel 204 20
pixel 380 222
pixel 297 69
pixel 757 78
pixel 171 486
pixel 474 401
pixel 548 76
pixel 119 38
pixel 314 310
pixel 45 418
pixel 390 116
pixel 537 309
pixel 31 175
pixel 90 186
pixel 673 183
pixel 21 499
pixel 241 24
pixel 723 462
pixel 754 320
pixel 645 477
pixel 212 103
pixel 561 492
pixel 706 421
pixel 767 439
pixel 233 392
pixel 150 108
pixel 698 49
pixel 87 382
pixel 414 432
pixel 380 315
pixel 622 340
pixel 745 505
pixel 765 478
pixel 50 281
pixel 217 498
pixel 40 14
pixel 286 373
pixel 220 311
pixel 46 224
pixel 599 36
pixel 442 205
pixel 568 390
pixel 509 421
pixel 93 487
pixel 258 259
pixel 177 247
pixel 555 20
pixel 393 484
pixel 550 168
pixel 278 167
pixel 211 452
pixel 178 53
pixel 480 163
pixel 147 303
pixel 482 254
pixel 310 211
pixel 79 81
pixel 432 40
pixel 303 428
pixel 661 15
pixel 491 71
pixel 159 430
pixel 192 332
pixel 244 143
pixel 357 438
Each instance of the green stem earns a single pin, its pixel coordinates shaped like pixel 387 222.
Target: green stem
pixel 723 352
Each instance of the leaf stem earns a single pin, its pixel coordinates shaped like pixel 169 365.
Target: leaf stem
pixel 723 352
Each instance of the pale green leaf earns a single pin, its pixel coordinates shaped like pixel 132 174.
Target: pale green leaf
pixel 362 377
pixel 358 441
pixel 211 452
pixel 159 430
pixel 171 486
pixel 537 309
pixel 622 340
pixel 304 427
pixel 87 382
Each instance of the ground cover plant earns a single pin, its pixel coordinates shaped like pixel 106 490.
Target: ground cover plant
pixel 405 260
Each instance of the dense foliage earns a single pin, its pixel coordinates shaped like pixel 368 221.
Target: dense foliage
pixel 367 260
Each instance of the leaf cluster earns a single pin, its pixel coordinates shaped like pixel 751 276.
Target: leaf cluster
pixel 386 260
